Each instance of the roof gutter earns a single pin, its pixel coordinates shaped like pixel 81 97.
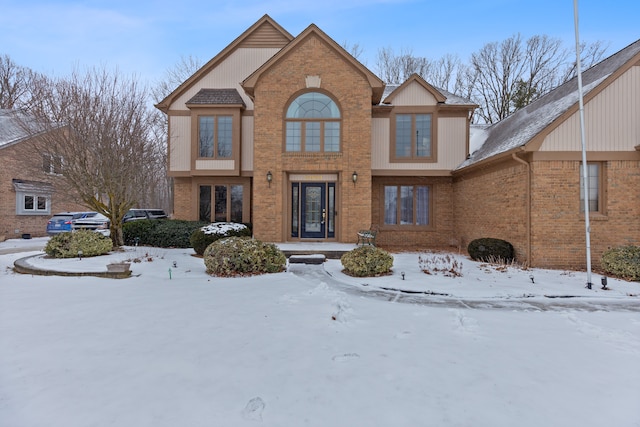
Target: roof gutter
pixel 528 204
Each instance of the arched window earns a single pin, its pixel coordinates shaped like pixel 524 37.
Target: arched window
pixel 313 124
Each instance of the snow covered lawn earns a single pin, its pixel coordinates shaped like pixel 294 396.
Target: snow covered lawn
pixel 313 347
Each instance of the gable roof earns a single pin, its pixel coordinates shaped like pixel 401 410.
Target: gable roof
pixel 264 33
pixel 376 83
pixel 16 126
pixel 519 129
pixel 441 95
pixel 415 78
pixel 217 97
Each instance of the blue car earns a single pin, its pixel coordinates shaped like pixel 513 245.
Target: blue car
pixel 62 222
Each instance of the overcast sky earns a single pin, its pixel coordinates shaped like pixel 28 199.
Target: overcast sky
pixel 145 37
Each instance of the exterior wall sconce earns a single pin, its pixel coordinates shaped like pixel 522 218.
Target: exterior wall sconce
pixel 269 178
pixel 354 177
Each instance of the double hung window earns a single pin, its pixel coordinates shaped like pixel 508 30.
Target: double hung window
pixel 413 137
pixel 52 164
pixel 215 136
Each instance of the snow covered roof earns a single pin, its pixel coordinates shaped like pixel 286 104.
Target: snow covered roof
pixel 32 186
pixel 14 127
pixel 523 125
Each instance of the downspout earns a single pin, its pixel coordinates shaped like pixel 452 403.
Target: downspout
pixel 528 207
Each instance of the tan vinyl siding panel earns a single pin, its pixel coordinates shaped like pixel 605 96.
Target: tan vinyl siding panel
pixel 246 152
pixel 414 94
pixel 180 146
pixel 215 165
pixel 612 120
pixel 452 141
pixel 452 138
pixel 265 36
pixel 229 74
pixel 380 129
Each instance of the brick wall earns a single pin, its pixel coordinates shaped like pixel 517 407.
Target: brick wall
pixel 558 227
pixel 23 161
pixel 183 203
pixel 275 89
pixel 492 203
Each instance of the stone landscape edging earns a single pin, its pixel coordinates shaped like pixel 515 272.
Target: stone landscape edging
pixel 22 266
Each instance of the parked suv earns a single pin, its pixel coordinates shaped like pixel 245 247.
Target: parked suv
pixel 136 214
pixel 62 222
pixel 98 223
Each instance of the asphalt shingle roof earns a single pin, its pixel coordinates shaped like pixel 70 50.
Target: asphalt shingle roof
pixel 14 127
pixel 217 97
pixel 519 128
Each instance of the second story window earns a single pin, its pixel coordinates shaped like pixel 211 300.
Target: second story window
pixel 413 137
pixel 52 164
pixel 312 124
pixel 215 136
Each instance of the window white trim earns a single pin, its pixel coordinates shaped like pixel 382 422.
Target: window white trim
pixel 32 197
pixel 33 204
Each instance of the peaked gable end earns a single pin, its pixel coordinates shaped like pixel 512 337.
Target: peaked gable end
pixel 376 83
pixel 265 33
pixel 268 34
pixel 416 81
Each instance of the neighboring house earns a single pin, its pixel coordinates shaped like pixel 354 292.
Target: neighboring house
pixel 29 181
pixel 297 137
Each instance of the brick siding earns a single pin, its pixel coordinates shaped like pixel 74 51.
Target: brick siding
pixel 23 161
pixel 558 227
pixel 273 92
pixel 492 203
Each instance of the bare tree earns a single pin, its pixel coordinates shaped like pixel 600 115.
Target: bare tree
pixel 354 49
pixel 444 72
pixel 15 84
pixel 590 54
pixel 175 76
pixel 510 74
pixel 395 69
pixel 100 125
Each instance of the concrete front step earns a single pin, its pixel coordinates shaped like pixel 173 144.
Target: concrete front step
pixel 330 250
pixel 307 259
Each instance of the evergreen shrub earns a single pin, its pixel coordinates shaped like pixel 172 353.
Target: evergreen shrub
pixel 622 262
pixel 243 256
pixel 161 233
pixel 367 261
pixel 489 249
pixel 204 236
pixel 67 245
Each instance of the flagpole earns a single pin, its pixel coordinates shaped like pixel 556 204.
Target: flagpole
pixel 585 181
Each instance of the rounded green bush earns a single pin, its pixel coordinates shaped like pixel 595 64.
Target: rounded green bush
pixel 243 256
pixel 491 250
pixel 367 261
pixel 623 262
pixel 67 245
pixel 201 238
